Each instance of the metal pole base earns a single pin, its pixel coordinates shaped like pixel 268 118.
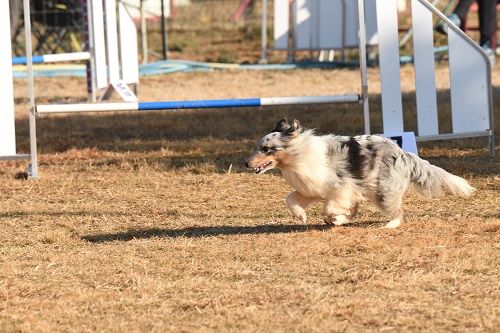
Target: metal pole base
pixel 32 174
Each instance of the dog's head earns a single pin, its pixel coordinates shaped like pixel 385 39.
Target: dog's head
pixel 271 149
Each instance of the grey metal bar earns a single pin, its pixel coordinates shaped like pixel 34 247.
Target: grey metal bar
pixel 344 25
pixel 91 49
pixel 450 136
pixel 362 65
pixel 33 168
pixel 144 34
pixel 263 33
pixel 306 49
pixel 291 36
pixel 164 32
pixel 15 157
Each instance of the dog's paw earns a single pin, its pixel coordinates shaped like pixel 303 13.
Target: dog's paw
pixel 341 219
pixel 302 217
pixel 393 224
pixel 337 220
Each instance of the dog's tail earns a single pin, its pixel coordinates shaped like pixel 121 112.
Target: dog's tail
pixel 429 180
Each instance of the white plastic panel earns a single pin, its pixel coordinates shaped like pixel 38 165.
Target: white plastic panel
pixel 7 122
pixel 319 23
pixel 303 23
pixel 390 80
pixel 281 23
pixel 352 22
pixel 469 88
pixel 128 46
pixel 371 23
pixel 99 44
pixel 112 41
pixel 330 24
pixel 425 82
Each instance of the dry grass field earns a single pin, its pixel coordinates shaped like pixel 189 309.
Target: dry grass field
pixel 149 222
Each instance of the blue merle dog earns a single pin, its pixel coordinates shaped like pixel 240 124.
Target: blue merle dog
pixel 342 171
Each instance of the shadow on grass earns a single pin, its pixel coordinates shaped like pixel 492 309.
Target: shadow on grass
pixel 197 232
pixel 18 214
pixel 373 224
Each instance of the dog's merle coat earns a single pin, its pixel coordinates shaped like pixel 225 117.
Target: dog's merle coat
pixel 342 171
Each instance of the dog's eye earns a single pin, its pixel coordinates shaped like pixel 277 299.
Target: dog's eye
pixel 266 149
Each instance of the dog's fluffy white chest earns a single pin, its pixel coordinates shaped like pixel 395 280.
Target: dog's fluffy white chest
pixel 309 175
pixel 308 184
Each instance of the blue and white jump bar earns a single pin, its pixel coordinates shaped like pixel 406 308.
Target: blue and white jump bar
pixel 51 58
pixel 195 104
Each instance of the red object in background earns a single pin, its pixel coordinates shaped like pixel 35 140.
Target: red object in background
pixel 240 10
pixel 173 11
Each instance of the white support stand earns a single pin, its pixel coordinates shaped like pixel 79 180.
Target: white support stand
pixel 7 124
pixel 470 77
pixel 33 167
pixel 390 79
pixel 114 48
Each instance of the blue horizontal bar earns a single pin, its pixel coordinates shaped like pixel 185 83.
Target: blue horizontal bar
pixel 200 104
pixel 37 59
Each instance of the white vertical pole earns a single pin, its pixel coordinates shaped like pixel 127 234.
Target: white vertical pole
pixel 7 119
pixel 362 64
pixel 281 24
pixel 112 41
pixel 344 31
pixel 263 34
pixel 98 40
pixel 128 46
pixel 33 171
pixel 392 105
pixel 425 78
pixel 303 24
pixel 144 34
pixel 89 41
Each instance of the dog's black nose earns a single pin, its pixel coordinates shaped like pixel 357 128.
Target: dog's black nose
pixel 247 163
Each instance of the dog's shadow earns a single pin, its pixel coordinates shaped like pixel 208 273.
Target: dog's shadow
pixel 197 232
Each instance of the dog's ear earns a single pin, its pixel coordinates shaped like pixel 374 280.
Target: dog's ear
pixel 281 126
pixel 294 129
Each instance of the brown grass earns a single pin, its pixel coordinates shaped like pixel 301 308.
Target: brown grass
pixel 148 222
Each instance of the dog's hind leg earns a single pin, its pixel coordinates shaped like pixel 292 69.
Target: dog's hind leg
pixel 396 213
pixel 297 203
pixel 390 203
pixel 354 210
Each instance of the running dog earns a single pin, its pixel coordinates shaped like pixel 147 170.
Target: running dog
pixel 342 171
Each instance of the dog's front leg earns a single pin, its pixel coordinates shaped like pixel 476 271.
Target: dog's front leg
pixel 297 203
pixel 335 213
